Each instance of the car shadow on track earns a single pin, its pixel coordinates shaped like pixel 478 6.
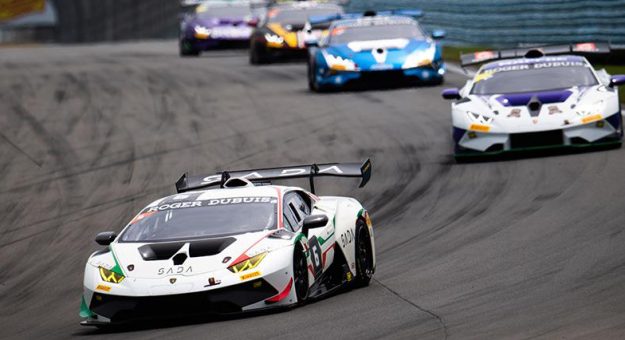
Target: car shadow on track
pixel 378 86
pixel 180 321
pixel 519 155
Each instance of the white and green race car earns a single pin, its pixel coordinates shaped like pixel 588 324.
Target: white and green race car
pixel 246 245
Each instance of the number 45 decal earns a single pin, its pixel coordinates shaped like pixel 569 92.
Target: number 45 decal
pixel 315 255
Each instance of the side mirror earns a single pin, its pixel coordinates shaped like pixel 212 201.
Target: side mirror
pixel 438 34
pixel 313 222
pixel 451 94
pixel 311 43
pixel 617 80
pixel 105 238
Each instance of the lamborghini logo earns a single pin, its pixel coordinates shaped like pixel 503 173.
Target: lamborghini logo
pixel 172 280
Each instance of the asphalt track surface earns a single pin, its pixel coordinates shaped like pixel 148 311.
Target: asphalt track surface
pixel 523 248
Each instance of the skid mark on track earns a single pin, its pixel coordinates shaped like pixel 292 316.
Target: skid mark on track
pixel 16 147
pixel 422 309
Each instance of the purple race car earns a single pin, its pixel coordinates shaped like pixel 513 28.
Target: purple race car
pixel 217 24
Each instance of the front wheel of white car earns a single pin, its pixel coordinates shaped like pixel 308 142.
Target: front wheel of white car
pixel 300 275
pixel 364 255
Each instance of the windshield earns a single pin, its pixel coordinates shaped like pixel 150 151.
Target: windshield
pixel 344 35
pixel 299 15
pixel 201 219
pixel 226 12
pixel 532 78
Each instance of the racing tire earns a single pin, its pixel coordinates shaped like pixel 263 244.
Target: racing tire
pixel 257 55
pixel 364 255
pixel 300 275
pixel 313 85
pixel 187 49
pixel 311 77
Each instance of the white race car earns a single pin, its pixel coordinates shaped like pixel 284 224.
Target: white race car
pixel 247 245
pixel 535 98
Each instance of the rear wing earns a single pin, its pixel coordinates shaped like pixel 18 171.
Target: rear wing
pixel 480 57
pixel 320 20
pixel 195 3
pixel 355 170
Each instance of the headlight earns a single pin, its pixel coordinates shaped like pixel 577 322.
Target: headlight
pixel 248 264
pixel 337 63
pixel 478 118
pixel 590 109
pixel 110 276
pixel 274 40
pixel 420 57
pixel 202 32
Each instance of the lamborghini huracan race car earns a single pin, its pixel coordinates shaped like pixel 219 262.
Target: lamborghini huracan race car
pixel 384 47
pixel 245 246
pixel 283 32
pixel 217 24
pixel 527 99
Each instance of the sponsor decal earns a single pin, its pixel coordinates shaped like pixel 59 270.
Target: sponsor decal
pixel 212 282
pixel 553 109
pixel 484 55
pixel 479 127
pixel 172 280
pixel 585 47
pixel 515 113
pixel 592 118
pixel 103 288
pixel 347 237
pixel 131 267
pixel 239 200
pixel 175 270
pixel 337 31
pixel 177 205
pixel 535 120
pixel 483 76
pixel 226 259
pixel 203 203
pixel 250 275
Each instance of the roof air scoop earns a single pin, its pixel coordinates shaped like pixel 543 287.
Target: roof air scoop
pixel 238 182
pixel 534 53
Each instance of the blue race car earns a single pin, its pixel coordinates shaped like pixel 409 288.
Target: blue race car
pixel 385 48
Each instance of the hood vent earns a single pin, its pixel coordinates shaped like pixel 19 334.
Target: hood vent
pixel 179 259
pixel 209 247
pixel 165 251
pixel 159 251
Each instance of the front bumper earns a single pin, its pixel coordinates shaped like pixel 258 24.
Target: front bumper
pixel 608 131
pixel 424 74
pixel 108 308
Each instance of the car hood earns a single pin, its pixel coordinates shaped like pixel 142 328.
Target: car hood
pixel 388 53
pixel 160 259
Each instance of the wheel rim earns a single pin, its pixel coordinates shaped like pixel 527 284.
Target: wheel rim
pixel 301 278
pixel 364 257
